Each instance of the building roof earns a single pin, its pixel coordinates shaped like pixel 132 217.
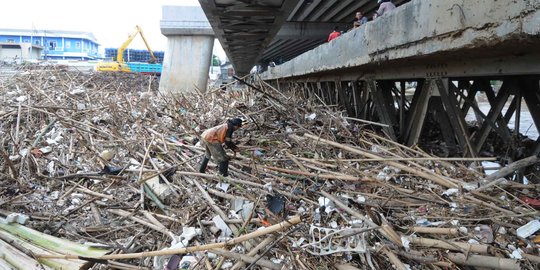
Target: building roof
pixel 46 32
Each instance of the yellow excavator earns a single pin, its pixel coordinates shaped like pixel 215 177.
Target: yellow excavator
pixel 120 65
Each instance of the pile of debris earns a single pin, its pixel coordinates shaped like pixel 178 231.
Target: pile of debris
pixel 104 159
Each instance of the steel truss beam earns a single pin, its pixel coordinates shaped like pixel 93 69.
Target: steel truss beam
pixel 448 99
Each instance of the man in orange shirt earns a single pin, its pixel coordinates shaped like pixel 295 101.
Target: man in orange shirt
pixel 213 138
pixel 334 34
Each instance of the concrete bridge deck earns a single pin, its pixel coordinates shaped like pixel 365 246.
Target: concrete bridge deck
pixel 451 50
pixel 441 37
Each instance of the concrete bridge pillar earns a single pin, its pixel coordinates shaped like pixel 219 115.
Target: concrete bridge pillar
pixel 190 42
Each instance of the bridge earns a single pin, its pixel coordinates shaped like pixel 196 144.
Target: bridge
pixel 441 52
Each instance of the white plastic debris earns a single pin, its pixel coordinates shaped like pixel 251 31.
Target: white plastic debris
pixel 311 116
pixel 181 241
pixel 45 150
pixel 327 204
pixel 188 262
pixel 528 229
pixel 225 230
pixel 383 176
pixel 106 154
pixel 236 204
pixel 473 242
pixel 188 234
pixel 483 233
pixel 268 187
pixel 77 91
pixel 54 195
pixel 223 186
pixel 406 242
pixel 227 265
pixel 492 167
pixel 299 242
pixel 247 208
pixel 425 222
pixel 469 186
pixel 451 191
pixel 22 98
pixel 16 218
pixel 516 254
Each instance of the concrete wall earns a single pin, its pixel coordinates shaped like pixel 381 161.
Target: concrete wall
pixel 186 64
pixel 421 28
pixel 190 42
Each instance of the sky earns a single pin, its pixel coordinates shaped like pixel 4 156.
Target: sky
pixel 110 21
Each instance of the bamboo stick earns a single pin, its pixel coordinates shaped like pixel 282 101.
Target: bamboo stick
pixel 247 259
pixel 93 193
pixel 396 262
pixel 484 261
pixel 429 176
pixel 450 231
pixel 129 215
pixel 450 245
pixel 387 231
pixel 274 228
pixel 325 176
pixel 512 167
pixel 254 251
pixel 345 267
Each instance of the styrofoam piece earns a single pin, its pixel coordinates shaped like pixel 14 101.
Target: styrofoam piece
pixel 17 218
pixel 528 229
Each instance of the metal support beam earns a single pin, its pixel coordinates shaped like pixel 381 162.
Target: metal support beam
pixel 384 105
pixel 449 100
pixel 417 114
pixel 493 115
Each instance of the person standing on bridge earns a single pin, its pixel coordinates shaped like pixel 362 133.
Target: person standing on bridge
pixel 385 7
pixel 212 140
pixel 334 34
pixel 360 18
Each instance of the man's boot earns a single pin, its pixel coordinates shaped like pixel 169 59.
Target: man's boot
pixel 204 163
pixel 224 168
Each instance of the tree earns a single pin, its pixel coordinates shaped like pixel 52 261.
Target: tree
pixel 215 60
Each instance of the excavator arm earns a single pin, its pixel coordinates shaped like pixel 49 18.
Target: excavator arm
pixel 121 49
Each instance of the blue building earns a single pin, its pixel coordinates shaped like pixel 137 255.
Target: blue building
pixel 57 44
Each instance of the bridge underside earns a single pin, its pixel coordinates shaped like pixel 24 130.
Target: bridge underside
pixel 431 70
pixel 257 32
